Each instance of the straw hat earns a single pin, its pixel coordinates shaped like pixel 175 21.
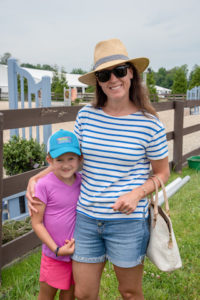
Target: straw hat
pixel 110 53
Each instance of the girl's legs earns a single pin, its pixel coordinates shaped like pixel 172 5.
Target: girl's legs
pixel 47 292
pixel 67 294
pixel 87 278
pixel 130 282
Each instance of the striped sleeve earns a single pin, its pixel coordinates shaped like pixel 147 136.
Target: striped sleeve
pixel 157 147
pixel 77 129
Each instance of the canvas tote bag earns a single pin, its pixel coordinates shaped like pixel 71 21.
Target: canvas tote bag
pixel 162 248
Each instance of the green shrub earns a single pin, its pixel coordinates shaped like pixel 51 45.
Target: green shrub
pixel 90 89
pixel 20 155
pixel 77 100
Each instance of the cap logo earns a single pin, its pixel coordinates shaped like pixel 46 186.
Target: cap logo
pixel 64 139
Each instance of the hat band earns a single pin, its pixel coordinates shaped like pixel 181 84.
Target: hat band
pixel 109 58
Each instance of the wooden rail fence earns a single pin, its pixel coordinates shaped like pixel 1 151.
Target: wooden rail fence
pixel 10 119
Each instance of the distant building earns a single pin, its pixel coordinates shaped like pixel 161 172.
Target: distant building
pixel 161 91
pixel 3 78
pixel 72 79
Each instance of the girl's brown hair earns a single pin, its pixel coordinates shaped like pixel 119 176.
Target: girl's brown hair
pixel 138 94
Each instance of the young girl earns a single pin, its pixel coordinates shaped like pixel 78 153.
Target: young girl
pixel 54 223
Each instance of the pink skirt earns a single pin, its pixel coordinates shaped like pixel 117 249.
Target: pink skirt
pixel 57 274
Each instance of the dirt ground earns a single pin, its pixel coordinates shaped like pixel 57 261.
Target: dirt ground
pixel 190 141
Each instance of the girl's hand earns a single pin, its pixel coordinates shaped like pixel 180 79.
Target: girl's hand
pixel 128 202
pixel 68 248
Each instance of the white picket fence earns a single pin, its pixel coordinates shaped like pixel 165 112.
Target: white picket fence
pixel 194 94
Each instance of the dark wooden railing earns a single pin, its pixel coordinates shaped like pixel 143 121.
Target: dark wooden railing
pixel 20 118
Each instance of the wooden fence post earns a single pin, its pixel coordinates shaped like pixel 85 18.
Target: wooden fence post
pixel 1 186
pixel 178 135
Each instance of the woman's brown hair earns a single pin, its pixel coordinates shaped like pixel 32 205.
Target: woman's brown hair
pixel 138 94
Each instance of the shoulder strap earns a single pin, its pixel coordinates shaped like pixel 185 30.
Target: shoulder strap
pixel 164 194
pixel 154 203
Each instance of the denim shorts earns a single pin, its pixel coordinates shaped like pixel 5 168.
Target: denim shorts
pixel 122 242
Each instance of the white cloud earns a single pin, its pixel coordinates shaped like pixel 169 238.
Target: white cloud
pixel 65 32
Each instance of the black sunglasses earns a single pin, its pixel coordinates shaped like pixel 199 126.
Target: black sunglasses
pixel 119 72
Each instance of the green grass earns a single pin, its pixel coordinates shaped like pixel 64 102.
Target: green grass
pixel 12 229
pixel 20 281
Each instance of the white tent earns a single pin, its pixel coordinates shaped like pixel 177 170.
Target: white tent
pixel 4 78
pixel 72 79
pixel 162 91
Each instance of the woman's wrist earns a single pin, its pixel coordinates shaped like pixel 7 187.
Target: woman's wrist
pixel 144 191
pixel 137 193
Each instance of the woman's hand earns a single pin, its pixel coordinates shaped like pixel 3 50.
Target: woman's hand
pixel 30 191
pixel 128 202
pixel 30 196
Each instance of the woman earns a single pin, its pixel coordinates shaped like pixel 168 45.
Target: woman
pixel 120 137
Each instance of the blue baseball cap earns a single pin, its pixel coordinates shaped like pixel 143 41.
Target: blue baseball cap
pixel 61 142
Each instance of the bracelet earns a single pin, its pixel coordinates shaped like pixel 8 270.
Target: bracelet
pixel 56 251
pixel 144 190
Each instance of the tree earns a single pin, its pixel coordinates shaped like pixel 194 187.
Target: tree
pixel 78 71
pixel 19 84
pixel 185 69
pixel 38 66
pixel 58 82
pixel 170 78
pixel 151 85
pixel 195 77
pixel 160 77
pixel 4 58
pixel 90 89
pixel 165 78
pixel 180 81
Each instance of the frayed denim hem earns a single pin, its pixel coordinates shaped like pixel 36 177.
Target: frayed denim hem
pixel 90 260
pixel 126 264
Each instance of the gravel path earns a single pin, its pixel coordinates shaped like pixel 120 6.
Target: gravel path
pixel 190 141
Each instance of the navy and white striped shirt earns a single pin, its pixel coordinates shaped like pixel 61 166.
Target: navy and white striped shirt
pixel 117 153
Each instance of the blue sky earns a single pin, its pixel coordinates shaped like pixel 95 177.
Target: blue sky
pixel 65 32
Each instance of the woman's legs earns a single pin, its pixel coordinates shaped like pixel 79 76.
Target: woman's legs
pixel 87 278
pixel 130 282
pixel 47 292
pixel 123 242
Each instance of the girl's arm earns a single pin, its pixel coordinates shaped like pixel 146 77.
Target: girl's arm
pixel 44 236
